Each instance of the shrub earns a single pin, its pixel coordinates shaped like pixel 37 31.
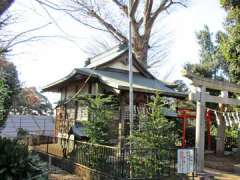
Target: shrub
pixel 17 163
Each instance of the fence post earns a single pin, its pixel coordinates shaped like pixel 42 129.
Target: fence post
pixel 49 162
pixel 122 161
pixel 47 143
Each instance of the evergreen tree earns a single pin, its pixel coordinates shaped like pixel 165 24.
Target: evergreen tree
pixel 100 118
pixel 230 42
pixel 153 144
pixel 9 74
pixel 212 64
pixel 156 131
pixel 4 96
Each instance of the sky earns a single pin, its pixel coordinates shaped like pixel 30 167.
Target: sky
pixel 49 59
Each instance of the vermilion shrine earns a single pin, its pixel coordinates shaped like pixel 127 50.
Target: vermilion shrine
pixel 185 114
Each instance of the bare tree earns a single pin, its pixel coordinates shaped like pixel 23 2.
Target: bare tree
pixel 111 16
pixel 10 37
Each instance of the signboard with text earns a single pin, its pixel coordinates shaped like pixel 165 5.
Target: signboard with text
pixel 185 161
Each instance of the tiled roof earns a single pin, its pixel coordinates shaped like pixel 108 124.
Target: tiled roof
pixel 107 56
pixel 119 81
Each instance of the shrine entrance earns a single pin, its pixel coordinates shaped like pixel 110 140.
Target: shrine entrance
pixel 201 96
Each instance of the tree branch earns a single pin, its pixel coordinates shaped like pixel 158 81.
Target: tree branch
pixel 123 7
pixel 109 27
pixel 164 6
pixel 134 8
pixel 12 41
pixel 161 8
pixel 86 24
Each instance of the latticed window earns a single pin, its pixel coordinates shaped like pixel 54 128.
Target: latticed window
pixel 82 113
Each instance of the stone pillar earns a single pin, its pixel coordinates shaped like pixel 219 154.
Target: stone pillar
pixel 221 129
pixel 220 137
pixel 200 129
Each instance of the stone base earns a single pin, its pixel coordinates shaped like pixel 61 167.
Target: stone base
pixel 204 176
pixel 236 169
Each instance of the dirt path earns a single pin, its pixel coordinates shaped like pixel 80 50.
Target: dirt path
pixel 63 176
pixel 222 175
pixel 59 174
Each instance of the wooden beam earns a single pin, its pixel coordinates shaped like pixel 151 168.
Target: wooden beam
pixel 211 84
pixel 214 99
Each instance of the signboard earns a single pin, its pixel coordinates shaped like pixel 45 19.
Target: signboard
pixel 185 161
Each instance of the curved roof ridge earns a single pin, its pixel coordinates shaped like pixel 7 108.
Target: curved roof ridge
pixel 121 46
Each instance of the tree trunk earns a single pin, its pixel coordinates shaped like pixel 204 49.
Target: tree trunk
pixel 4 5
pixel 141 54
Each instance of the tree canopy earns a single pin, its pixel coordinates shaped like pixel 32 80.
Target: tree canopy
pixel 230 41
pixel 212 63
pixel 30 101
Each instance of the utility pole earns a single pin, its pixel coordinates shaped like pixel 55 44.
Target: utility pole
pixel 130 75
pixel 130 68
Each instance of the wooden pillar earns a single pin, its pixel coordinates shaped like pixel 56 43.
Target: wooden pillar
pixel 184 125
pixel 200 129
pixel 121 121
pixel 208 118
pixel 221 128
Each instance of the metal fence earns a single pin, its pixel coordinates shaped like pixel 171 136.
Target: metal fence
pixel 112 161
pixel 39 125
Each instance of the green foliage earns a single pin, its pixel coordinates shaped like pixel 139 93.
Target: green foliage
pixel 21 133
pixel 156 131
pixel 16 163
pixel 4 96
pixel 230 42
pixel 231 132
pixel 101 113
pixel 229 3
pixel 152 144
pixel 212 64
pixel 181 86
pixel 9 75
